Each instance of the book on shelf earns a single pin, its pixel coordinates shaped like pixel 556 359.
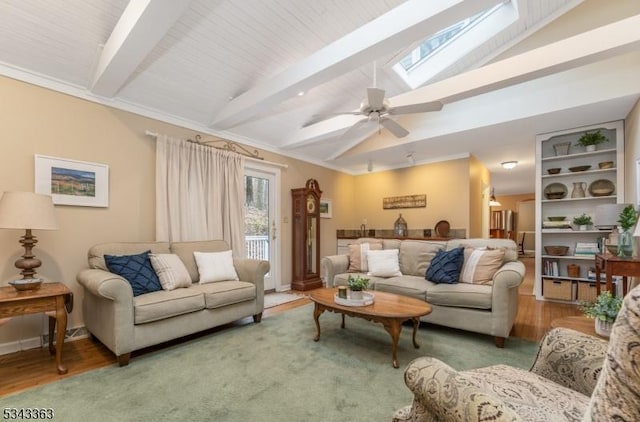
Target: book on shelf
pixel 551 268
pixel 591 275
pixel 587 248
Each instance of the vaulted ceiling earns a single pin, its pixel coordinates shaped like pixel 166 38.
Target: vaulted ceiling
pixel 235 69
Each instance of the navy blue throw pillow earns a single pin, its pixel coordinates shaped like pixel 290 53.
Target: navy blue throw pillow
pixel 445 267
pixel 137 270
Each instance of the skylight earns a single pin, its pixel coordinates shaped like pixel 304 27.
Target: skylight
pixel 465 32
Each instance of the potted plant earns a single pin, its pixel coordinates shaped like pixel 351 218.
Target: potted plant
pixel 357 285
pixel 582 221
pixel 590 139
pixel 604 311
pixel 628 219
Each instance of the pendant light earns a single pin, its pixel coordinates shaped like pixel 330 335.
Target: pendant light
pixel 493 202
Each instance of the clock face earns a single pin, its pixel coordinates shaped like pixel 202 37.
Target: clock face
pixel 311 204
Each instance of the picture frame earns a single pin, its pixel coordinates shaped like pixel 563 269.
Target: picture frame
pixel 326 208
pixel 72 182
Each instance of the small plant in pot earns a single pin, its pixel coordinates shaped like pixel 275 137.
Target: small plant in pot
pixel 357 285
pixel 604 311
pixel 590 139
pixel 627 219
pixel 582 221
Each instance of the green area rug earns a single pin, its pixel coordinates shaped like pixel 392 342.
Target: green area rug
pixel 272 371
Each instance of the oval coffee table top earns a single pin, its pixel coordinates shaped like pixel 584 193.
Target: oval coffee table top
pixel 385 304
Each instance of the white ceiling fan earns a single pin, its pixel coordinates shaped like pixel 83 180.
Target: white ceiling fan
pixel 376 109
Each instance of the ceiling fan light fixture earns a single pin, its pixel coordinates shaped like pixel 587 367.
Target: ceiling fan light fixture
pixel 509 164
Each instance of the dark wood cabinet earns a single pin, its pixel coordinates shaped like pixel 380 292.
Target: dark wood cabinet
pixel 306 236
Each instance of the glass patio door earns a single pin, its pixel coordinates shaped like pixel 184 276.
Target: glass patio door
pixel 261 223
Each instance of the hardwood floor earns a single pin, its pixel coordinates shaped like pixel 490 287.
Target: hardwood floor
pixel 22 370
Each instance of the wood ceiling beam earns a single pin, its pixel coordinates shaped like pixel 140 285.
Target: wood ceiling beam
pixel 396 29
pixel 141 26
pixel 589 47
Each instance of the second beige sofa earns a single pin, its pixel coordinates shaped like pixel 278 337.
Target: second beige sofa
pixel 482 308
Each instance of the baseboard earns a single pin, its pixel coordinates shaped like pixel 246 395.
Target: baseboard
pixel 283 288
pixel 71 334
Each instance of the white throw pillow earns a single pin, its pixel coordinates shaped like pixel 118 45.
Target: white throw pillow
pixel 215 266
pixel 383 263
pixel 170 270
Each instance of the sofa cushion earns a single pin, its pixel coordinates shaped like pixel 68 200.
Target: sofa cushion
pixel 383 263
pixel 358 255
pixel 137 270
pixel 406 285
pixel 463 295
pixel 97 252
pixel 170 270
pixel 445 266
pixel 480 265
pixel 509 246
pixel 165 304
pixel 215 266
pixel 416 255
pixel 225 293
pixel 531 396
pixel 185 251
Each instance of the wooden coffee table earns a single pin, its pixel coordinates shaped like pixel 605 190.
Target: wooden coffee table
pixel 389 309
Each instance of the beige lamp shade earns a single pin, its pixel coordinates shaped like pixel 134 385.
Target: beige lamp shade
pixel 27 210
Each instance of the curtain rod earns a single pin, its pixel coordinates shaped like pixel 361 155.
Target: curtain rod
pixel 228 146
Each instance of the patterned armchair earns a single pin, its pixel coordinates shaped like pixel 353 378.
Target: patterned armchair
pixel 575 377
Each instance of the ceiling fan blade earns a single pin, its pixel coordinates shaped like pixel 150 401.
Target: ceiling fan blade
pixel 394 127
pixel 317 118
pixel 375 97
pixel 416 108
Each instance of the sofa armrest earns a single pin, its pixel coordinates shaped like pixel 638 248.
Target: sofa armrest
pixel 442 393
pixel 106 285
pixel 511 274
pixel 571 359
pixel 252 270
pixel 332 265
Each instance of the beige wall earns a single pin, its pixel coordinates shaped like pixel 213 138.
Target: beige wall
pixel 479 180
pixel 446 185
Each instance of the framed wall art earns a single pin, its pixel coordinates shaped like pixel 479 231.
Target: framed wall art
pixel 72 182
pixel 326 209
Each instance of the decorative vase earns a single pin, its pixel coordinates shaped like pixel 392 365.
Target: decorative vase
pixel 578 189
pixel 400 227
pixel 591 148
pixel 562 148
pixel 625 244
pixel 356 295
pixel 603 328
pixel 583 227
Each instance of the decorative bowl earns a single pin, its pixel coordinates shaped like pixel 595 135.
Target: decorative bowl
pixel 556 250
pixel 579 168
pixel 555 191
pixel 602 187
pixel 554 170
pixel 613 249
pixel 605 164
pixel 556 218
pixel 26 284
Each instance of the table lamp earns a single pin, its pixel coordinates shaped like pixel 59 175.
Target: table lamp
pixel 27 211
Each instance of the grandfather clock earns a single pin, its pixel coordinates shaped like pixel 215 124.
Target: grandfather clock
pixel 306 236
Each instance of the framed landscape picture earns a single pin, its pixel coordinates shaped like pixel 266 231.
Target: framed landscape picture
pixel 71 182
pixel 326 209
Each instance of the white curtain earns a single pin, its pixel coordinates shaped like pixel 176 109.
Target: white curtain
pixel 199 193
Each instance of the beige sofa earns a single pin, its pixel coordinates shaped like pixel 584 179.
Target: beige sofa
pixel 486 309
pixel 125 323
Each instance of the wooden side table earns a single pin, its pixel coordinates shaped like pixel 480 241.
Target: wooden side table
pixel 616 265
pixel 54 299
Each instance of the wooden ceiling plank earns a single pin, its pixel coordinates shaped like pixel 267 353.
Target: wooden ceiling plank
pixel 383 35
pixel 140 28
pixel 589 47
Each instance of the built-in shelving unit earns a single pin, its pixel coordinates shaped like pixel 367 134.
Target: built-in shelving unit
pixel 553 278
